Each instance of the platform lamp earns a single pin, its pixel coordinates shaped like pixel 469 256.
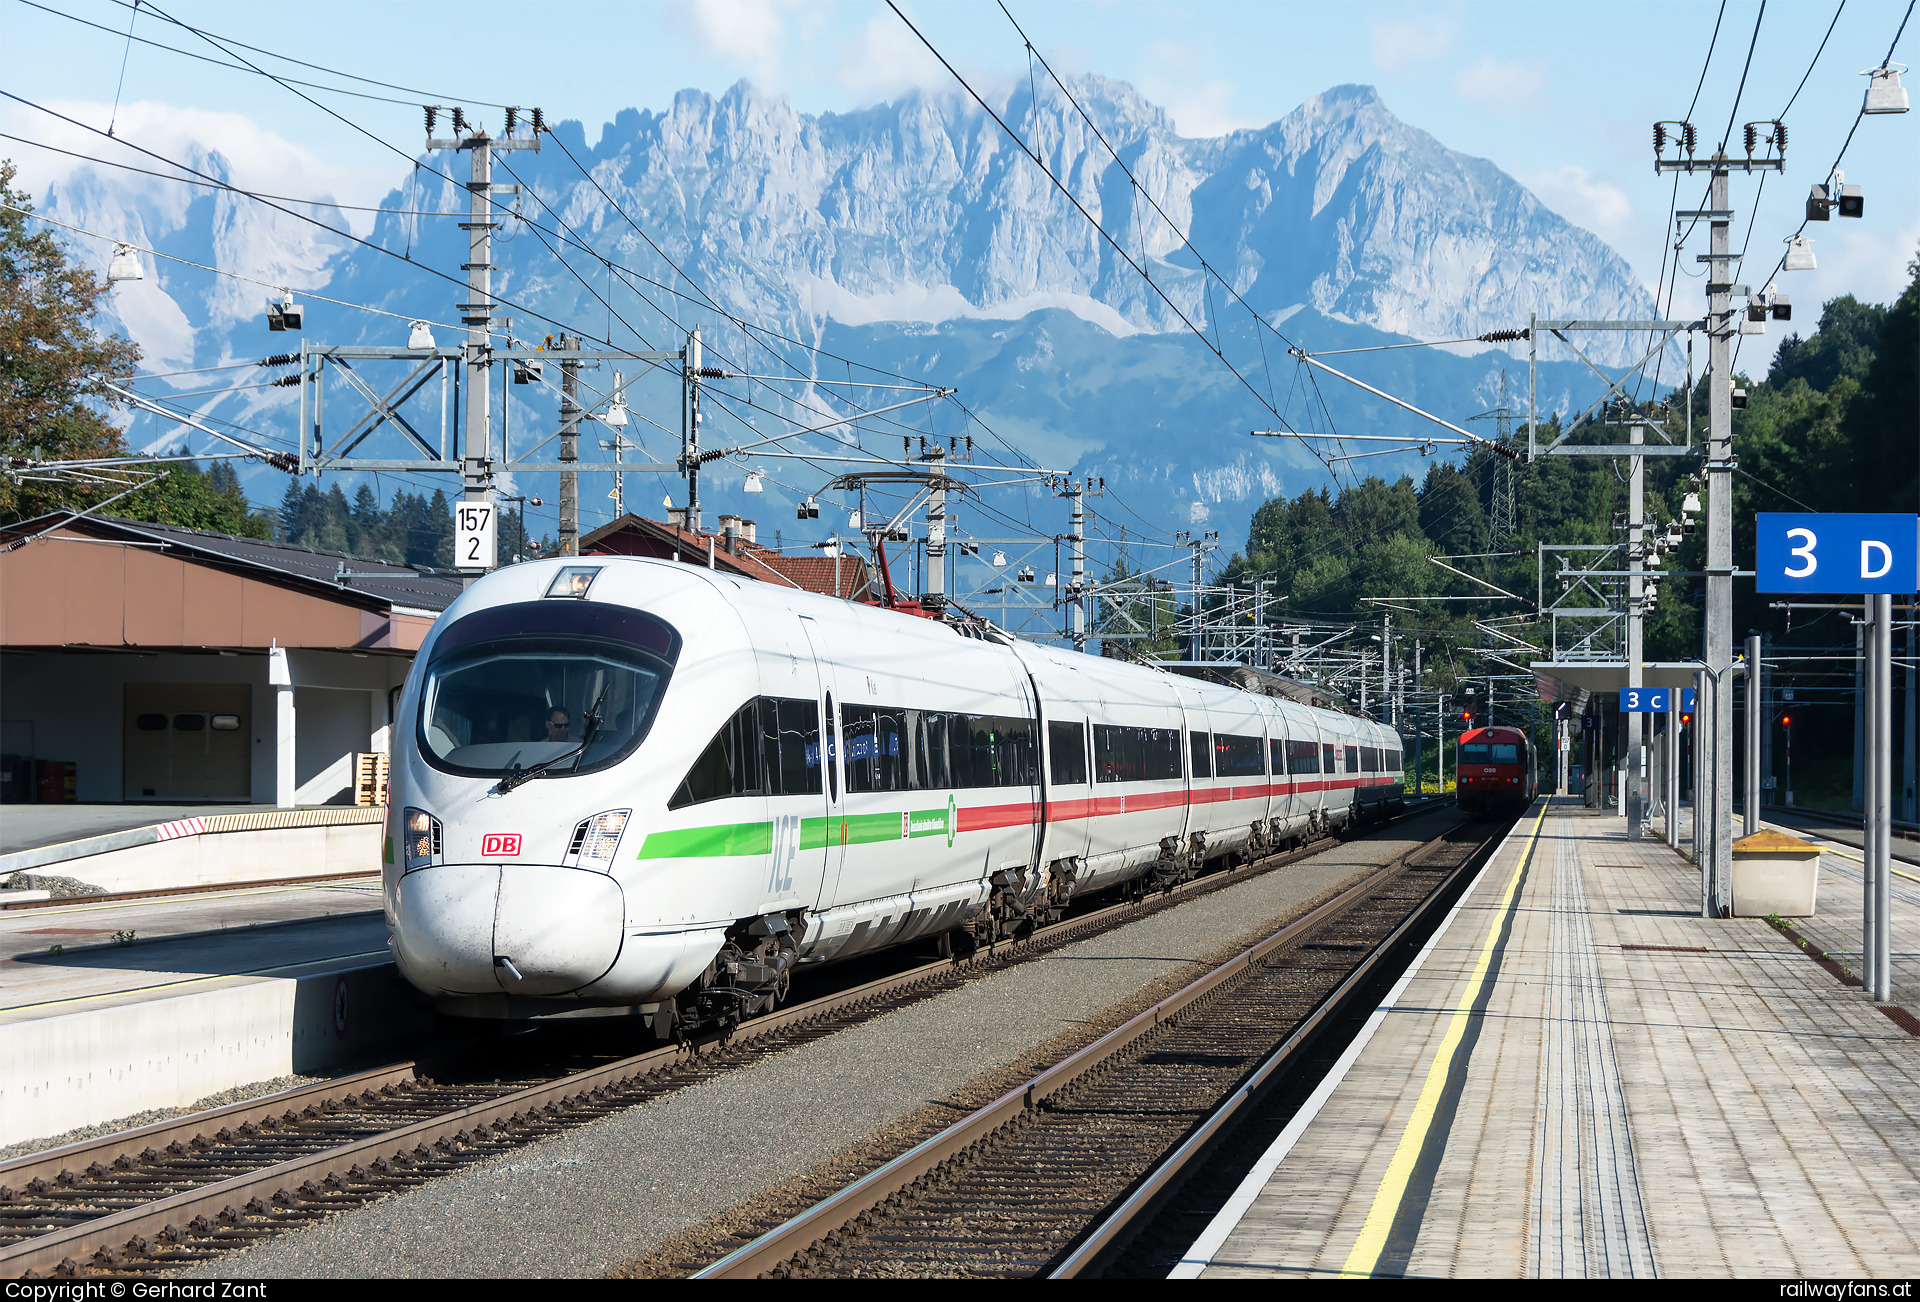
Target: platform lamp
pixel 125 265
pixel 1885 94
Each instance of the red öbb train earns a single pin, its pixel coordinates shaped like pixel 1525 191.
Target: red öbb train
pixel 1496 772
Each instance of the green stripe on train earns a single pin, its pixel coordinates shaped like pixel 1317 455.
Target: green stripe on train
pixel 815 833
pixel 709 842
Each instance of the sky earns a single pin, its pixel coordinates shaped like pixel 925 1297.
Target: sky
pixel 1561 96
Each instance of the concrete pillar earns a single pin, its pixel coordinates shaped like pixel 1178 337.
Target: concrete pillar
pixel 280 678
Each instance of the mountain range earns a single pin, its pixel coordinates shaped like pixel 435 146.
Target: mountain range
pixel 916 238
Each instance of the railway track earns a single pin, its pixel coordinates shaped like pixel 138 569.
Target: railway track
pixel 1057 1175
pixel 153 1200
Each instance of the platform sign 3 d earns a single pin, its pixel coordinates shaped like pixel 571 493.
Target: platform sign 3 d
pixel 1836 552
pixel 1655 700
pixel 473 535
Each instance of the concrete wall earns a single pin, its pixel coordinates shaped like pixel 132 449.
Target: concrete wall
pixel 99 1064
pixel 231 858
pixel 75 702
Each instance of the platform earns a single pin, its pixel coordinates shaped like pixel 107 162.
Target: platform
pixel 1583 1078
pixel 120 848
pixel 155 1003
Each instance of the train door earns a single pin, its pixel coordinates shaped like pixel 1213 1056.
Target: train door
pixel 834 851
pixel 791 725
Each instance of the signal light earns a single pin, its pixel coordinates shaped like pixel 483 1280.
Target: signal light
pixel 1686 720
pixel 1786 720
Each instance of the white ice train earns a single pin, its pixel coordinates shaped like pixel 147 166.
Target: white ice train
pixel 610 791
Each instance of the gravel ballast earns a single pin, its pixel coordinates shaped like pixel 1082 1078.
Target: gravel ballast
pixel 591 1200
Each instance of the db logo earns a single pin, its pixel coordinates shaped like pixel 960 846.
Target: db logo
pixel 500 845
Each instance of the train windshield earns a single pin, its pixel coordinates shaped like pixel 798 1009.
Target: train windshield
pixel 1499 752
pixel 515 687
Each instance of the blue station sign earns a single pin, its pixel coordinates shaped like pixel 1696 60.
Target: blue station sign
pixel 1836 552
pixel 1656 700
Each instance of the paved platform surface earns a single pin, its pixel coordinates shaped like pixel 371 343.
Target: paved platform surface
pixel 1586 1079
pixel 180 943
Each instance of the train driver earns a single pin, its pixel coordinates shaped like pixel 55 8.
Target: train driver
pixel 558 722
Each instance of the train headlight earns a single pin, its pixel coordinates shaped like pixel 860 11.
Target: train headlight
pixel 597 838
pixel 421 838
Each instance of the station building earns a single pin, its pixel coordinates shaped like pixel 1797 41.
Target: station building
pixel 146 663
pixel 152 664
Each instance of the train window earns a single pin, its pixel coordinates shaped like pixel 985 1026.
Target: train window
pixel 523 685
pixel 1393 760
pixel 1238 757
pixel 932 765
pixel 1277 755
pixel 790 746
pixel 1122 754
pixel 1499 752
pixel 1067 758
pixel 1352 758
pixel 877 756
pixel 832 755
pixel 1303 757
pixel 729 766
pixel 1369 759
pixel 1200 751
pixel 1327 759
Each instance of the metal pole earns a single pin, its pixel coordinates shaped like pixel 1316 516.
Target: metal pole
pixel 1674 714
pixel 476 475
pixel 693 364
pixel 1719 615
pixel 1859 718
pixel 1078 539
pixel 1419 752
pixel 936 582
pixel 1636 538
pixel 1879 864
pixel 1909 794
pixel 1756 713
pixel 569 449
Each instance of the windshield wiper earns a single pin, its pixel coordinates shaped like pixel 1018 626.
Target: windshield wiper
pixel 590 730
pixel 520 775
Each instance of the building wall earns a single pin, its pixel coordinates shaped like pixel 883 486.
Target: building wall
pixel 75 701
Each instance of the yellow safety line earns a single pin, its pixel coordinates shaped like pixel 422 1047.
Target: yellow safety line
pixel 192 981
pixel 1365 1256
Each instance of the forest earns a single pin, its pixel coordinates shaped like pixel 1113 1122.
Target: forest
pixel 1833 426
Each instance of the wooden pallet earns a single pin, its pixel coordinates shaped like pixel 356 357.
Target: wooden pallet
pixel 369 777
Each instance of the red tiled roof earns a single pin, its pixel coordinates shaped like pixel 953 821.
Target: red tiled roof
pixel 635 535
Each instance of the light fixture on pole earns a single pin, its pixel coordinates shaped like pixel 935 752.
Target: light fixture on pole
pixel 1885 94
pixel 284 315
pixel 125 265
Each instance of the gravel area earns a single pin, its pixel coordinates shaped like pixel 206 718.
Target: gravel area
pixel 595 1200
pixel 238 1094
pixel 60 888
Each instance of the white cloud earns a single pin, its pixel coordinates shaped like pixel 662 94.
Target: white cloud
pixel 887 60
pixel 753 32
pixel 1402 42
pixel 1173 78
pixel 1586 200
pixel 1507 88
